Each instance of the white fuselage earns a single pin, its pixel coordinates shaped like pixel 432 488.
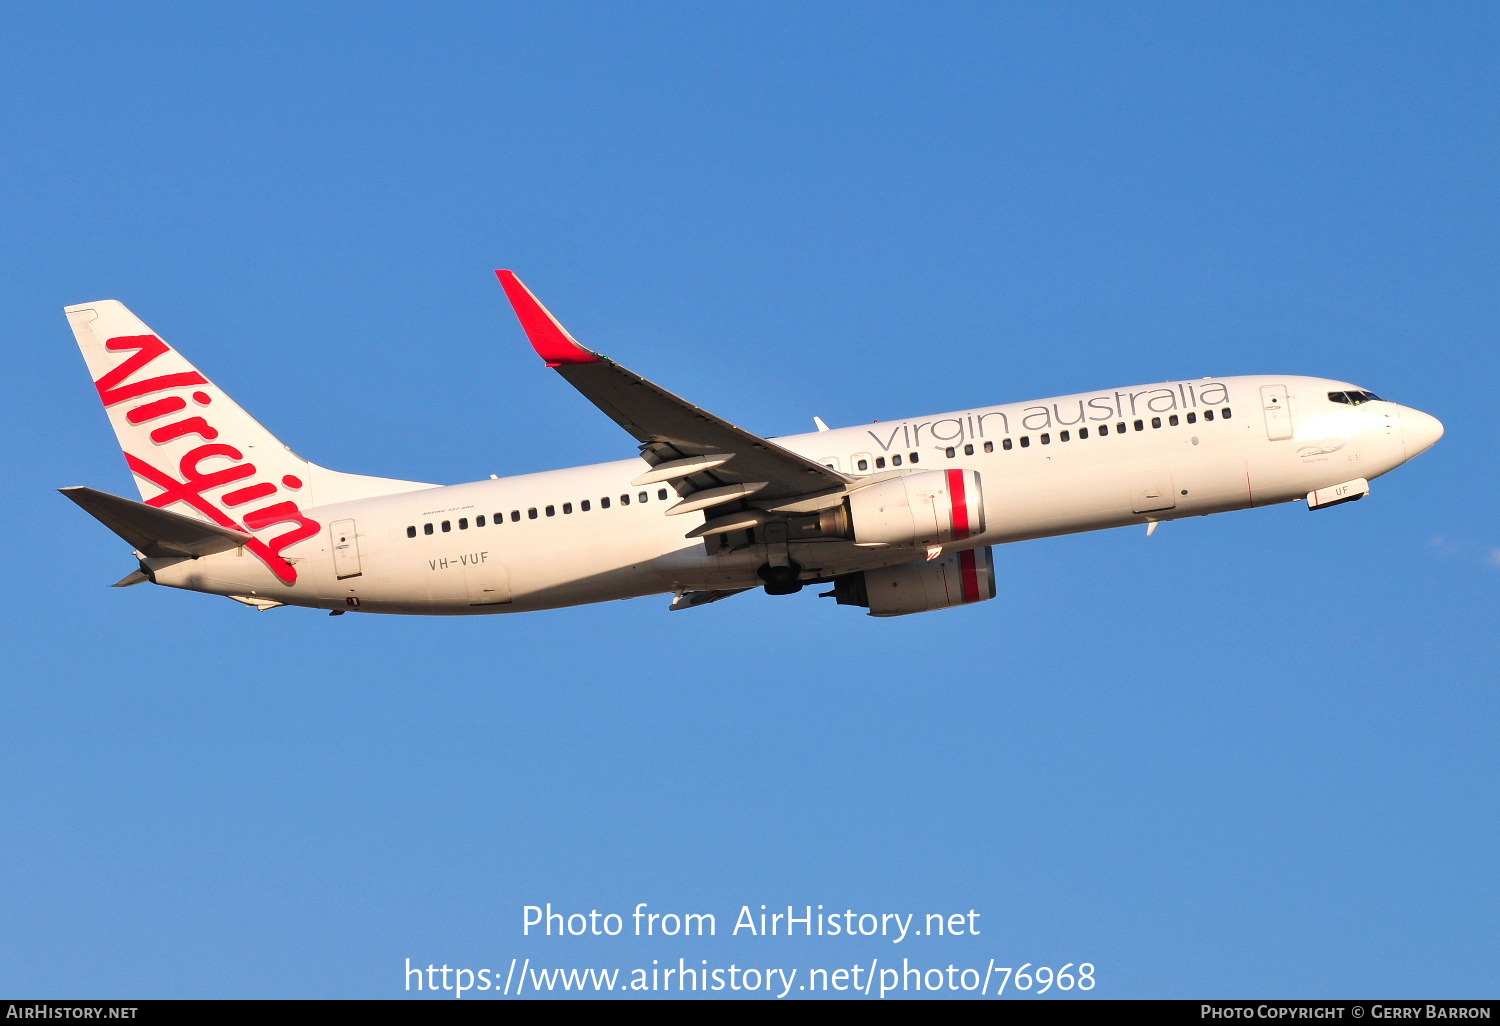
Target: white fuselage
pixel 1054 466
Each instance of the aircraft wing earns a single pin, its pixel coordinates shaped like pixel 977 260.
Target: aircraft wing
pixel 710 461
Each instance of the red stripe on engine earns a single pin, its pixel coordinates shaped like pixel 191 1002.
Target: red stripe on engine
pixel 960 504
pixel 968 568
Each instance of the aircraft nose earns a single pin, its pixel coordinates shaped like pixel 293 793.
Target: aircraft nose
pixel 1419 431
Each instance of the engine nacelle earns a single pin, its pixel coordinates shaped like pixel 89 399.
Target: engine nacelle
pixel 956 579
pixel 934 507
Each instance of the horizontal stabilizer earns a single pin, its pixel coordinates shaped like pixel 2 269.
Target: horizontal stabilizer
pixel 152 531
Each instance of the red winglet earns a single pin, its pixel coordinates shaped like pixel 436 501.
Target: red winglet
pixel 549 338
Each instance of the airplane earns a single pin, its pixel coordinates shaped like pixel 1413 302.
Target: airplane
pixel 898 516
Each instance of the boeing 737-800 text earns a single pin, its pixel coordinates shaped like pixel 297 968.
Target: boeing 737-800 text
pixel 899 517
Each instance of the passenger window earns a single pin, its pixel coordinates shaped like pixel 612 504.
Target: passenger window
pixel 989 446
pixel 552 511
pixel 1103 430
pixel 643 496
pixel 1120 428
pixel 411 532
pixel 1208 414
pixel 447 526
pixel 914 457
pixel 1062 436
pixel 968 450
pixel 950 452
pixel 515 515
pixel 879 462
pixel 1046 438
pixel 1007 444
pixel 863 464
pixel 1025 441
pixel 426 528
pixel 1140 425
pixel 895 461
pixel 463 523
pixel 1227 413
pixel 661 493
pixel 1192 418
pixel 604 502
pixel 1083 433
pixel 479 521
pixel 531 513
pixel 584 506
pixel 1172 420
pixel 1156 422
pixel 625 500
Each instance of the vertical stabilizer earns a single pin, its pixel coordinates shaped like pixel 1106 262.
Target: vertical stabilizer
pixel 195 450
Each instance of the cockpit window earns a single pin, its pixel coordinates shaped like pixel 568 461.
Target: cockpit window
pixel 1353 398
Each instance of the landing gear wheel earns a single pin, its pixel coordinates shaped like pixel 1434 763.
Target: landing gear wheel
pixel 781 580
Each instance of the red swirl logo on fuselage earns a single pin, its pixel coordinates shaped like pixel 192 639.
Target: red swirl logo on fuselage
pixel 193 483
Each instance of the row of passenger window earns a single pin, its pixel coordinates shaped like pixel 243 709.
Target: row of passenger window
pixel 1102 431
pixel 896 461
pixel 1045 438
pixel 533 513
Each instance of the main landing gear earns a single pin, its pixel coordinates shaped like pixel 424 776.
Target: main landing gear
pixel 781 580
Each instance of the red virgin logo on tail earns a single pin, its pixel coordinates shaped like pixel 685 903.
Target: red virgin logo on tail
pixel 192 483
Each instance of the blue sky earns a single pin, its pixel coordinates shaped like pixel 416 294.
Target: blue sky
pixel 1253 755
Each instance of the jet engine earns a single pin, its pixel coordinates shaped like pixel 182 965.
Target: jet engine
pixel 956 579
pixel 933 507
